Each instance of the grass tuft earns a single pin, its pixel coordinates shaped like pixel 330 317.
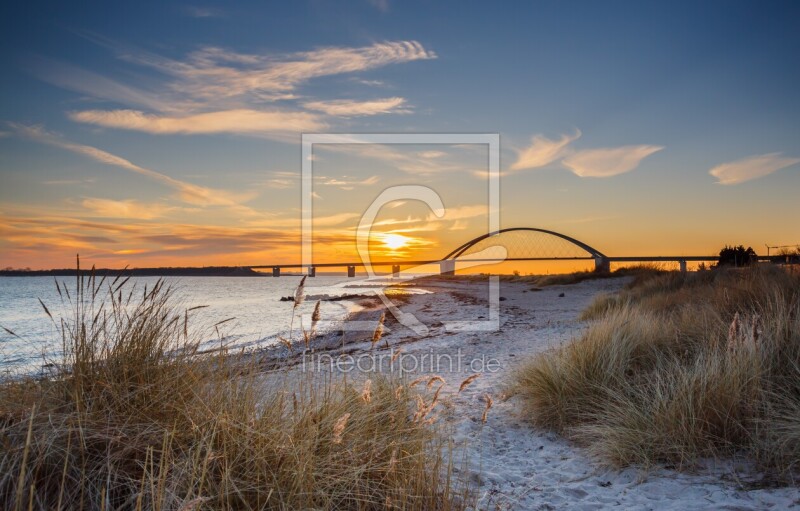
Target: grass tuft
pixel 135 418
pixel 677 367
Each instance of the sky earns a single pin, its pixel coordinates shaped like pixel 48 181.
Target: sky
pixel 169 134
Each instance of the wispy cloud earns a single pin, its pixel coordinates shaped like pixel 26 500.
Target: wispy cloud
pixel 346 183
pixel 543 151
pixel 237 121
pixel 607 162
pixel 213 73
pixel 190 193
pixel 350 108
pixel 412 162
pixel 196 11
pixel 381 5
pixel 431 154
pixel 45 240
pixel 282 179
pixel 100 87
pixel 69 182
pixel 215 90
pixel 453 220
pixel 129 208
pixel 370 83
pixel 600 162
pixel 754 167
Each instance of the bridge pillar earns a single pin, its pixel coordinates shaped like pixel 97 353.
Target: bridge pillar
pixel 395 270
pixel 351 271
pixel 682 263
pixel 312 271
pixel 447 267
pixel 602 264
pixel 276 271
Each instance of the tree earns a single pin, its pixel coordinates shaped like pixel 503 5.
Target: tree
pixel 737 256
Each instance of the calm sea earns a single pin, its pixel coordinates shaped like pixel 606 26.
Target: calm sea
pixel 253 302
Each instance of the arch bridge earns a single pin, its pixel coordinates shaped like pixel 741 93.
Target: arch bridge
pixel 510 244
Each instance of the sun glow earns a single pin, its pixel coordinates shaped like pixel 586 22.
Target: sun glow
pixel 395 241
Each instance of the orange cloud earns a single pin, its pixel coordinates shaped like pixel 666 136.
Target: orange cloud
pixel 224 121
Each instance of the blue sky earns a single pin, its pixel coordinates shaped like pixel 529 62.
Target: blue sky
pixel 642 127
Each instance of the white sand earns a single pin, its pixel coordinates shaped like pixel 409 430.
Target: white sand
pixel 516 466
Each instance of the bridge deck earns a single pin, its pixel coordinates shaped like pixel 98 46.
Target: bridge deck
pixel 613 259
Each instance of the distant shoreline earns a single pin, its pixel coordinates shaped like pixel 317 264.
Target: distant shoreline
pixel 210 271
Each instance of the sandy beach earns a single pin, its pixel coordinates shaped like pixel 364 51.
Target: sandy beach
pixel 512 464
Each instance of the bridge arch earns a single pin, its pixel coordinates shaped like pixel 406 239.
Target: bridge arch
pixel 593 252
pixel 600 259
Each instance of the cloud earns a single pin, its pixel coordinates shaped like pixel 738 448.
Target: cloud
pixel 543 151
pixel 212 73
pixel 452 220
pixel 195 11
pixel 370 83
pixel 215 90
pixel 431 154
pixel 318 221
pixel 230 121
pixel 69 182
pixel 754 167
pixel 347 184
pixel 125 208
pixel 349 108
pixel 608 162
pixel 381 5
pixel 98 86
pixel 187 192
pixel 282 179
pixel 91 239
pixel 462 212
pixel 404 160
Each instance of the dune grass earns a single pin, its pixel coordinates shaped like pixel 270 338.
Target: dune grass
pixel 637 271
pixel 677 367
pixel 135 419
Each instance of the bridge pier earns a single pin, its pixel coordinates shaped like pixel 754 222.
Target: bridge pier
pixel 447 267
pixel 276 271
pixel 312 271
pixel 682 264
pixel 602 264
pixel 395 271
pixel 351 271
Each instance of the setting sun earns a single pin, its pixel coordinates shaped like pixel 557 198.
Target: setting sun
pixel 395 241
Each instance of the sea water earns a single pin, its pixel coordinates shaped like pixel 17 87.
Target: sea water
pixel 236 312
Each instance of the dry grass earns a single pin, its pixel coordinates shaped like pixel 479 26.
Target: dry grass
pixel 637 271
pixel 680 367
pixel 135 419
pixel 558 279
